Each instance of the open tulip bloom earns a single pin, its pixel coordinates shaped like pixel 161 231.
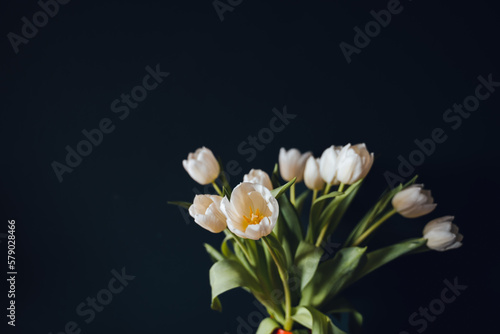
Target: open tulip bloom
pixel 270 252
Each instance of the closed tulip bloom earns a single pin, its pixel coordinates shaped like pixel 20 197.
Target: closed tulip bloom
pixel 442 234
pixel 328 165
pixel 258 176
pixel 413 201
pixel 292 164
pixel 202 166
pixel 312 177
pixel 206 212
pixel 354 163
pixel 252 211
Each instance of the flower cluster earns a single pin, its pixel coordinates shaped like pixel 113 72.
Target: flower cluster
pixel 261 220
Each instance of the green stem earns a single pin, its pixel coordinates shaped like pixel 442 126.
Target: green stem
pixel 283 275
pixel 327 189
pixel 321 235
pixel 292 194
pixel 325 228
pixel 217 189
pixel 315 194
pixel 373 227
pixel 242 247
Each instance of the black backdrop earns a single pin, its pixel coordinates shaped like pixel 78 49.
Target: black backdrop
pixel 226 77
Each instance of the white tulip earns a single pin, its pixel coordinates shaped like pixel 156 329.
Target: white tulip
pixel 354 163
pixel 252 211
pixel 202 166
pixel 292 164
pixel 258 176
pixel 206 212
pixel 442 234
pixel 312 177
pixel 328 165
pixel 413 201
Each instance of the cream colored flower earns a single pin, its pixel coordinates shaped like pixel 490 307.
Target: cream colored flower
pixel 442 234
pixel 206 212
pixel 252 211
pixel 258 176
pixel 354 163
pixel 312 177
pixel 413 201
pixel 202 166
pixel 292 164
pixel 328 165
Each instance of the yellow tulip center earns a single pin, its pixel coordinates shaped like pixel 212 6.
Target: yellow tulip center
pixel 254 218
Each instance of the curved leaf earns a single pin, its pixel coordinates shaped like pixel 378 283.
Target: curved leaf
pixel 332 276
pixel 306 262
pixel 289 224
pixel 185 205
pixel 277 192
pixel 214 254
pixel 267 326
pixel 313 319
pixel 342 305
pixel 379 257
pixel 229 274
pixel 299 201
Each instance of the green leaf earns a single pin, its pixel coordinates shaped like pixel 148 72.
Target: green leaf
pixel 226 192
pixel 214 254
pixel 342 305
pixel 290 227
pixel 313 319
pixel 277 248
pixel 226 251
pixel 376 211
pixel 223 177
pixel 332 276
pixel 216 304
pixel 299 202
pixel 277 192
pixel 332 215
pixel 181 204
pixel 229 274
pixel 379 257
pixel 267 326
pixel 306 262
pixel 275 177
pixel 314 214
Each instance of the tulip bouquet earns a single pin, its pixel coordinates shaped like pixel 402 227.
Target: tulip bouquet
pixel 270 253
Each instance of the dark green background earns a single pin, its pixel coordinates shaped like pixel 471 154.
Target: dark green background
pixel 225 79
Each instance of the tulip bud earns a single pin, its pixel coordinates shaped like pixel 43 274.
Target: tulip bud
pixel 206 212
pixel 354 163
pixel 442 235
pixel 292 164
pixel 252 211
pixel 413 201
pixel 328 165
pixel 312 177
pixel 202 166
pixel 258 176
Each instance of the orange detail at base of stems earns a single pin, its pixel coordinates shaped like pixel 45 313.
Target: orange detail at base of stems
pixel 280 331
